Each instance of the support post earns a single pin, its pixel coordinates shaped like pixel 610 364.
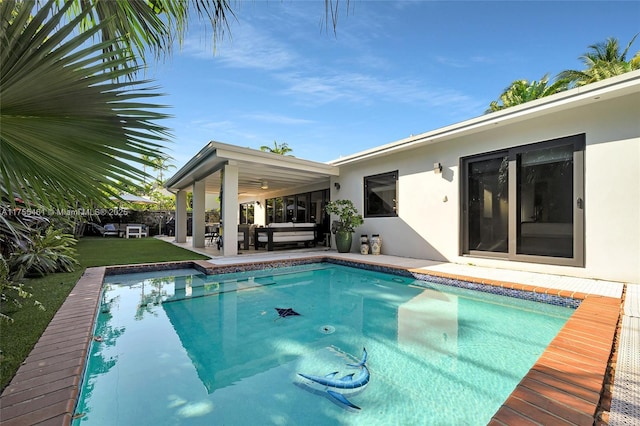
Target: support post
pixel 198 218
pixel 181 217
pixel 229 210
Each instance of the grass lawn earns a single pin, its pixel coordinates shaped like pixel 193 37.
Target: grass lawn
pixel 18 338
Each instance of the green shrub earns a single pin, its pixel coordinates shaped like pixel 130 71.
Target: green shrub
pixel 53 251
pixel 347 212
pixel 11 292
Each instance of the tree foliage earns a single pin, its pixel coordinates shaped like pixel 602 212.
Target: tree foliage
pixel 135 28
pixel 348 214
pixel 521 91
pixel 282 149
pixel 603 60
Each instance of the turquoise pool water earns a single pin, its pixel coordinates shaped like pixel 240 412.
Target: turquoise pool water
pixel 178 347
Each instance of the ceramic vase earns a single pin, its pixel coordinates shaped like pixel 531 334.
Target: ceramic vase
pixel 376 244
pixel 343 241
pixel 364 244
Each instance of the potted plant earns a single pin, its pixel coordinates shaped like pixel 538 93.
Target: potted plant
pixel 349 220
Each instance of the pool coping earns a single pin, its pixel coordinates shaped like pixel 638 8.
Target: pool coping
pixel 566 385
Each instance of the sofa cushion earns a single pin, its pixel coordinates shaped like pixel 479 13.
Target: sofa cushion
pixel 281 225
pixel 286 236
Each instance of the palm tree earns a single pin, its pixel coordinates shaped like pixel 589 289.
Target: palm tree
pixel 70 131
pixel 282 149
pixel 146 161
pixel 156 163
pixel 521 91
pixel 604 60
pixel 161 164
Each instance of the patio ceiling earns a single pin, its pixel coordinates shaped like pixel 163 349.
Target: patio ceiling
pixel 254 167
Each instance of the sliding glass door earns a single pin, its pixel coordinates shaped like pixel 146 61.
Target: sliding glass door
pixel 526 203
pixel 545 202
pixel 488 204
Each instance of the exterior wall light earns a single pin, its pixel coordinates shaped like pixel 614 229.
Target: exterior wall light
pixel 264 185
pixel 437 168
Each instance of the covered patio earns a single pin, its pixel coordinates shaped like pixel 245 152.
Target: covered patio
pixel 238 175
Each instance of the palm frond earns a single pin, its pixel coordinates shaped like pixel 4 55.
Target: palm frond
pixel 70 130
pixel 603 60
pixel 138 27
pixel 521 91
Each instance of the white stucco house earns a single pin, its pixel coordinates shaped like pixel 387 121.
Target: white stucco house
pixel 551 186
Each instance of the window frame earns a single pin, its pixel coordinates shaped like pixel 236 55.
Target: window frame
pixel 366 185
pixel 247 213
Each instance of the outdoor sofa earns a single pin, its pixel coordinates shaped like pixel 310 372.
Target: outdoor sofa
pixel 285 234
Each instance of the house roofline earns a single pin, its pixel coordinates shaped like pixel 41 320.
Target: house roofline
pixel 238 153
pixel 595 92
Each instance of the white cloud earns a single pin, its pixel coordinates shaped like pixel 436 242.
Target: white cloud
pixel 471 61
pixel 222 125
pixel 277 119
pixel 248 48
pixel 451 62
pixel 368 89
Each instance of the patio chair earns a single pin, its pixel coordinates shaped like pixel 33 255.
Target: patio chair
pixel 110 230
pixel 212 236
pixel 134 231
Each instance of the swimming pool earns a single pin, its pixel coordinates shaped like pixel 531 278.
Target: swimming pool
pixel 436 354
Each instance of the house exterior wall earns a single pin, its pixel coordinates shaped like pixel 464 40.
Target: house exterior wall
pixel 428 224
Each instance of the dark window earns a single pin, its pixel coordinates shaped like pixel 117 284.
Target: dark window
pixel 278 210
pixel 380 195
pixel 270 210
pixel 488 201
pixel 545 200
pixel 246 213
pixel 302 208
pixel 290 206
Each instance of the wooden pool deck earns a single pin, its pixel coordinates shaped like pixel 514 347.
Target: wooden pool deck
pixel 569 384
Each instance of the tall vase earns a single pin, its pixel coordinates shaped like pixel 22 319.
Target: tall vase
pixel 364 244
pixel 376 244
pixel 343 241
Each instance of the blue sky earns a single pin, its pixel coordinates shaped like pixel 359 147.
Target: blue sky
pixel 392 69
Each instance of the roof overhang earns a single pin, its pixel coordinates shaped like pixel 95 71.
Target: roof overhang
pixel 254 167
